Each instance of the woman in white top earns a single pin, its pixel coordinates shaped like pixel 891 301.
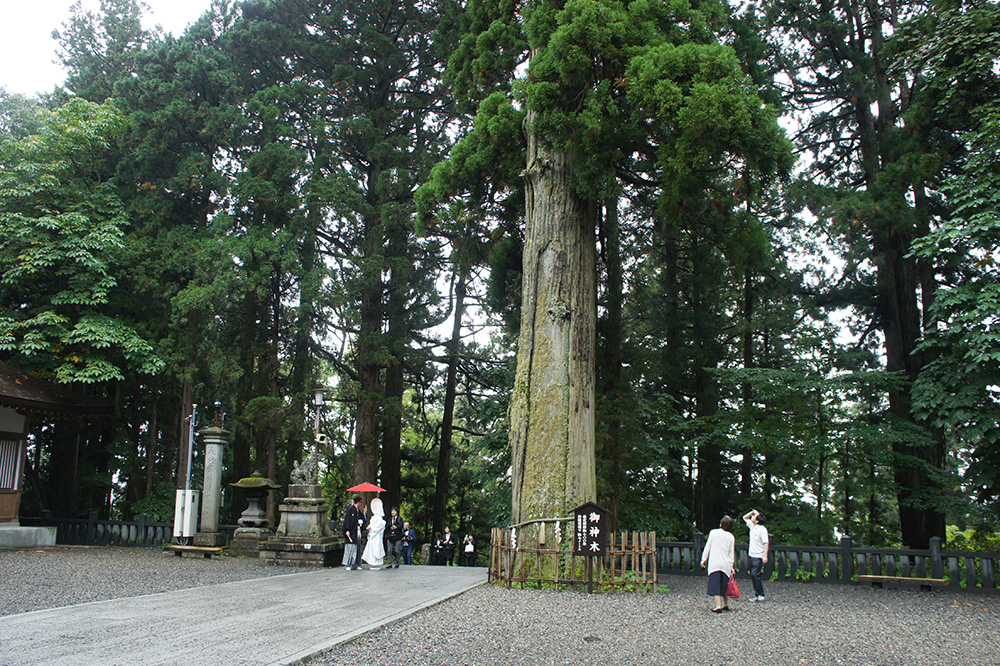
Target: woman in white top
pixel 374 553
pixel 720 557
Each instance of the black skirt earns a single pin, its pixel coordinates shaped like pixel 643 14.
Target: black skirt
pixel 717 584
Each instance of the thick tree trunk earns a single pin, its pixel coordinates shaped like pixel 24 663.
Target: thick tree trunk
pixel 897 282
pixel 242 444
pixel 398 335
pixel 709 503
pixel 392 436
pixel 391 476
pixel 552 407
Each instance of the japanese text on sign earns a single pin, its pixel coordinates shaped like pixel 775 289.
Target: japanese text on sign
pixel 590 533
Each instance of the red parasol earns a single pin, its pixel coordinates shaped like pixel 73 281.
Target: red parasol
pixel 366 488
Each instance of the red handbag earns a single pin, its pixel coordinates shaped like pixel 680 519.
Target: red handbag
pixel 733 590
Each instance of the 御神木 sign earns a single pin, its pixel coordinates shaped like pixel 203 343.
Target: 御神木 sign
pixel 590 530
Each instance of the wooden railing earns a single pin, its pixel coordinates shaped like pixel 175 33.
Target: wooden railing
pixel 92 531
pixel 969 571
pixel 629 564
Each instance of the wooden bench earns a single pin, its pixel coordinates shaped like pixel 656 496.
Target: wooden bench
pixel 924 583
pixel 207 551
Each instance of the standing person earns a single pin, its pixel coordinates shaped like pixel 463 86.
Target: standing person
pixel 437 550
pixel 394 538
pixel 354 518
pixel 374 553
pixel 448 544
pixel 409 543
pixel 720 556
pixel 760 545
pixel 469 546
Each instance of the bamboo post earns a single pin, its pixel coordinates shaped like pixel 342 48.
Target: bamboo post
pixel 655 564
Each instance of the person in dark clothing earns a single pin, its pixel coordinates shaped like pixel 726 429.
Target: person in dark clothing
pixel 437 550
pixel 393 539
pixel 409 543
pixel 354 521
pixel 448 544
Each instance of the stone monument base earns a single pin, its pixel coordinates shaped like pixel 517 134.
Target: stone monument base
pixel 209 539
pixel 302 551
pixel 248 540
pixel 303 538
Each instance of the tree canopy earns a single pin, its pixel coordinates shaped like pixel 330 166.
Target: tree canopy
pixel 681 258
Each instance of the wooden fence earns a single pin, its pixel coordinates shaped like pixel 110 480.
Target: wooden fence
pixel 630 562
pixel 968 571
pixel 92 531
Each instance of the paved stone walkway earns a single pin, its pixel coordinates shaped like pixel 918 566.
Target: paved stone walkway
pixel 263 622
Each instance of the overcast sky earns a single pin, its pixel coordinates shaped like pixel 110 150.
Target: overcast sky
pixel 27 50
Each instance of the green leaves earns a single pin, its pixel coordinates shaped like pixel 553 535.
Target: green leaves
pixel 61 230
pixel 957 389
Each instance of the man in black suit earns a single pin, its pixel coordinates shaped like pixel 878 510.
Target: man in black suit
pixel 354 520
pixel 393 537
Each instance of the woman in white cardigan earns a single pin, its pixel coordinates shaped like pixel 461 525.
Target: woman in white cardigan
pixel 720 557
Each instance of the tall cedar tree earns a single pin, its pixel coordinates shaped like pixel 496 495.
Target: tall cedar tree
pixel 362 84
pixel 610 87
pixel 882 144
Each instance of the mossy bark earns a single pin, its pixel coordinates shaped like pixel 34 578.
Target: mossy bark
pixel 552 408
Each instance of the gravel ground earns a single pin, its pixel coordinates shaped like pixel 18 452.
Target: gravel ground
pixel 798 624
pixel 33 579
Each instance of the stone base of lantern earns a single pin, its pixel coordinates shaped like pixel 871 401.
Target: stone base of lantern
pixel 247 541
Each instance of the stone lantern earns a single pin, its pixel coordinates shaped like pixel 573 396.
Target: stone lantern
pixel 254 527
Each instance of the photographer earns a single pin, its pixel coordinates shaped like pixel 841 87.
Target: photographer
pixel 469 546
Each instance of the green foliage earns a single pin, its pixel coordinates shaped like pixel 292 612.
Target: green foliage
pixel 957 389
pixel 261 177
pixel 158 505
pixel 63 228
pixel 98 50
pixel 973 540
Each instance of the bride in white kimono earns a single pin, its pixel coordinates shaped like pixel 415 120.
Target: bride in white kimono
pixel 374 553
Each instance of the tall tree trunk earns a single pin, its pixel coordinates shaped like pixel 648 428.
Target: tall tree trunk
pixel 897 280
pixel 397 339
pixel 821 431
pixel 746 460
pixel 154 439
pixel 302 372
pixel 709 505
pixel 613 449
pixel 443 477
pixel 273 367
pixel 391 477
pixel 552 407
pixel 184 443
pixel 370 344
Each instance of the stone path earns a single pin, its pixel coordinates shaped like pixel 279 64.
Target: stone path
pixel 263 622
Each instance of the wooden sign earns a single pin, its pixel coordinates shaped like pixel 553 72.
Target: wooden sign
pixel 590 533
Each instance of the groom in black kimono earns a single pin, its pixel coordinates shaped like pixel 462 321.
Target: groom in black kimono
pixel 354 521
